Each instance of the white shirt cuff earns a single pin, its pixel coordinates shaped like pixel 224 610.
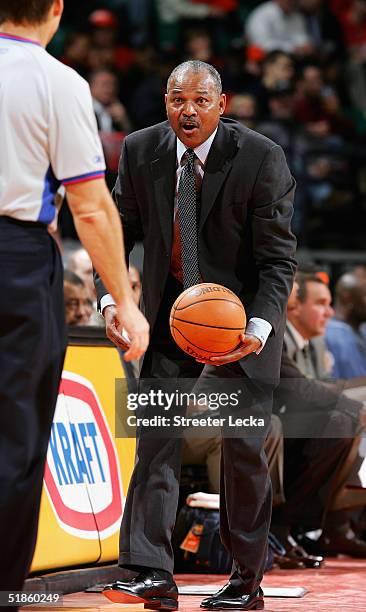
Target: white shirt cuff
pixel 105 301
pixel 260 328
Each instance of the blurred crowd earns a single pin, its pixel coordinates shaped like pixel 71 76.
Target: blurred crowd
pixel 294 70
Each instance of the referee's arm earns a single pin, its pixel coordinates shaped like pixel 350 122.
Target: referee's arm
pixel 98 225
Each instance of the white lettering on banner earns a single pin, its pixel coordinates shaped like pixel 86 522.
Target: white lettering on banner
pixel 73 441
pixel 82 477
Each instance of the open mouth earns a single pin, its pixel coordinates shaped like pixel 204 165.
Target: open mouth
pixel 189 127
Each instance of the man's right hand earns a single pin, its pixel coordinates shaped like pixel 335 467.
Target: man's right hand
pixel 127 317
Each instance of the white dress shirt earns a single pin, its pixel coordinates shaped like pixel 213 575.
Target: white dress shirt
pixel 270 28
pixel 299 340
pixel 260 328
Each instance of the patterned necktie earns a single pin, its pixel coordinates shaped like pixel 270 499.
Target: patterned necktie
pixel 187 202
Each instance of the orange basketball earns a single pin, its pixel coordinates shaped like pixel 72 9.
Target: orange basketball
pixel 206 320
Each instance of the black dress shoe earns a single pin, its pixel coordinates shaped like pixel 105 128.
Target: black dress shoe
pixel 229 598
pixel 296 552
pixel 280 558
pixel 148 588
pixel 339 544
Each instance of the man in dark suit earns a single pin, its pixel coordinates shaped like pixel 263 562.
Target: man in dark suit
pixel 317 465
pixel 239 237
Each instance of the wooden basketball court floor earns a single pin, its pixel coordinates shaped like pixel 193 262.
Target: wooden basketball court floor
pixel 339 586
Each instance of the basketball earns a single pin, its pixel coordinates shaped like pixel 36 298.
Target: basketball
pixel 206 320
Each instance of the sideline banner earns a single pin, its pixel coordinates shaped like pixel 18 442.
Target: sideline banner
pixel 87 470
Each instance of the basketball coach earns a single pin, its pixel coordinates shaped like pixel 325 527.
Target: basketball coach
pixel 212 202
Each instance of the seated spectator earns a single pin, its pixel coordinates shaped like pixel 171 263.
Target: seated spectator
pixel 135 282
pixel 345 334
pixel 105 33
pixel 277 24
pixel 243 108
pixel 170 13
pixel 277 75
pixel 80 263
pixel 326 131
pixel 316 467
pixel 353 22
pixel 198 46
pixel 313 409
pixel 318 108
pixel 101 58
pixel 323 28
pixel 360 271
pixel 306 320
pixel 78 305
pixel 143 86
pixel 110 113
pixel 76 52
pixel 280 126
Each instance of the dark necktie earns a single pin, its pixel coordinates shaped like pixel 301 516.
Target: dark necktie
pixel 187 203
pixel 308 363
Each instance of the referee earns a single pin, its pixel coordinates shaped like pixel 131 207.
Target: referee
pixel 48 139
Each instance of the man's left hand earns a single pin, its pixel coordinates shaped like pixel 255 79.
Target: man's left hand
pixel 248 344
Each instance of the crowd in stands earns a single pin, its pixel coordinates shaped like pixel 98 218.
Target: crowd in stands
pixel 294 70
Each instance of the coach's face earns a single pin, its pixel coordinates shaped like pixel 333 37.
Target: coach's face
pixel 194 106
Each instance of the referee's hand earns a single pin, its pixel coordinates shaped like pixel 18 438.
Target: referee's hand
pixel 127 328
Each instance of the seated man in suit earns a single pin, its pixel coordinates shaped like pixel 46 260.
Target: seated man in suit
pixel 321 426
pixel 78 305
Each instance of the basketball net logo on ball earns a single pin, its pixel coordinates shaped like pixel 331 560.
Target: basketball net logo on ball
pixel 207 320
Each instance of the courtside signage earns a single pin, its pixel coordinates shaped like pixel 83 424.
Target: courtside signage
pixel 82 476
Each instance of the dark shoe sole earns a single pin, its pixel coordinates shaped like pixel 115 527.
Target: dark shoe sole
pixel 149 604
pixel 256 604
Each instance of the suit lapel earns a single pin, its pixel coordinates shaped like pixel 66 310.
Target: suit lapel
pixel 163 169
pixel 218 165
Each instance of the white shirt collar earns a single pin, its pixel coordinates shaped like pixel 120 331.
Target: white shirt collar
pixel 202 151
pixel 298 338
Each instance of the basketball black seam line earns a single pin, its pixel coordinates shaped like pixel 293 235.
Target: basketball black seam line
pixel 202 349
pixel 182 297
pixel 211 326
pixel 209 300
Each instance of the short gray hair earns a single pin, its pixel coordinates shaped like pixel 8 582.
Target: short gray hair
pixel 196 66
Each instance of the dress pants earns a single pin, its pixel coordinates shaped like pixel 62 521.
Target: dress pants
pixel 32 346
pixel 207 451
pixel 245 491
pixel 313 473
